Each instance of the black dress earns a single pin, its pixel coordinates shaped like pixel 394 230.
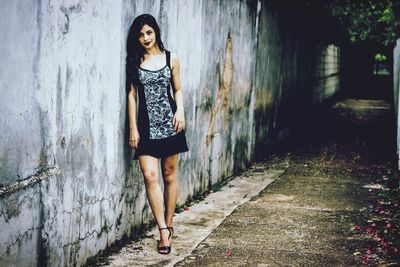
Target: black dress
pixel 155 114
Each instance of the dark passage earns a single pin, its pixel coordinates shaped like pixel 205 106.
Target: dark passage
pixel 336 204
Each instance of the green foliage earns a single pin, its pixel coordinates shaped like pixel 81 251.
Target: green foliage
pixel 380 57
pixel 376 21
pixel 179 207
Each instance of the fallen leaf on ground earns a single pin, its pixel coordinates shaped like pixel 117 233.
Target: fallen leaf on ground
pixel 228 252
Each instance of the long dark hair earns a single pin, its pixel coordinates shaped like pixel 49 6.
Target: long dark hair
pixel 135 50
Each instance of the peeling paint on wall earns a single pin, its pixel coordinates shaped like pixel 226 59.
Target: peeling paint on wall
pixel 36 178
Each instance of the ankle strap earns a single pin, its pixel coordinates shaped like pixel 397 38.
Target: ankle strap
pixel 169 230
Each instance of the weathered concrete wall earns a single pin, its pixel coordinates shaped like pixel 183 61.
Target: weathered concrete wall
pixel 396 92
pixel 19 50
pixel 63 120
pixel 70 187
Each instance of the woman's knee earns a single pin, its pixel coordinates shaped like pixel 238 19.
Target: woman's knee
pixel 168 170
pixel 150 176
pixel 169 175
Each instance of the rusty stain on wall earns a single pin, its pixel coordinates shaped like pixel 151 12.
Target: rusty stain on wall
pixel 224 89
pixel 227 74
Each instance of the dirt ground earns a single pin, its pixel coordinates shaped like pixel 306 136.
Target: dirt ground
pixel 335 205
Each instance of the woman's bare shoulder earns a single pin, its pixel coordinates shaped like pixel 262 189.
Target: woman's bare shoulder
pixel 174 60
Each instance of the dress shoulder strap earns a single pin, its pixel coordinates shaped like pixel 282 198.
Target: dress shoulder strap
pixel 168 55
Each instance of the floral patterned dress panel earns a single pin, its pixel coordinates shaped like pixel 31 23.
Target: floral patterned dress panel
pixel 156 85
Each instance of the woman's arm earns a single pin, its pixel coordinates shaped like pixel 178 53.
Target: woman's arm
pixel 179 117
pixel 133 130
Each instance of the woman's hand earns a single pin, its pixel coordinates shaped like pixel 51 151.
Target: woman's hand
pixel 179 120
pixel 134 138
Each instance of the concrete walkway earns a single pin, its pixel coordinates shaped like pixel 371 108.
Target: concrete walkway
pixel 193 226
pixel 307 216
pixel 318 188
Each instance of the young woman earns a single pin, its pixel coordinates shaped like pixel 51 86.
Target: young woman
pixel 158 135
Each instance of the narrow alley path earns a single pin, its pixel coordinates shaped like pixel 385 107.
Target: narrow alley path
pixel 328 197
pixel 324 209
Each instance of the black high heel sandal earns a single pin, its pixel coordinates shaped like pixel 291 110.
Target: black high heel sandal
pixel 171 231
pixel 165 249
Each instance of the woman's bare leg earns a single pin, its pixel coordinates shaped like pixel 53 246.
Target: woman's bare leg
pixel 169 166
pixel 149 167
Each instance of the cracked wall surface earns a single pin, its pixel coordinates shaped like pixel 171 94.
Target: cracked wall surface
pixel 69 187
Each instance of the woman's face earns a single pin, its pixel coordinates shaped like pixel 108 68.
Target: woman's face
pixel 147 37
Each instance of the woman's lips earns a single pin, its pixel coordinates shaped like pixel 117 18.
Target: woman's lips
pixel 146 44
